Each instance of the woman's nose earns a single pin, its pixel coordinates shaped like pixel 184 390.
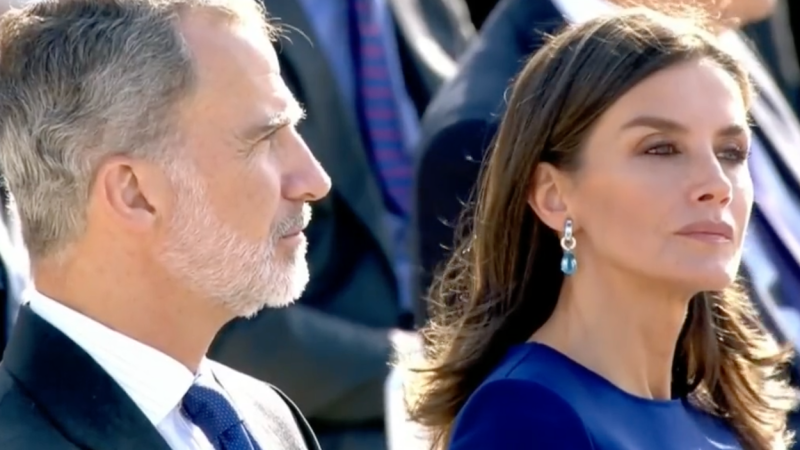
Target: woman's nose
pixel 711 181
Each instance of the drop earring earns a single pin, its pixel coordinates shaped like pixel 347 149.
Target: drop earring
pixel 568 262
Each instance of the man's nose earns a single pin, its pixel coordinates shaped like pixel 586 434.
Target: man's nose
pixel 307 180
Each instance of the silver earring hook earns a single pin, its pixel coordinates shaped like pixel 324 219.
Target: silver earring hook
pixel 568 240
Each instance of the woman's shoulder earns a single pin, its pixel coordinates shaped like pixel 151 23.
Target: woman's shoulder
pixel 511 412
pixel 544 366
pixel 518 403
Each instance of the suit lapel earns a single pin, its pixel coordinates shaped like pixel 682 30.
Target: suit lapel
pixel 305 428
pixel 432 62
pixel 336 140
pixel 81 399
pixel 268 426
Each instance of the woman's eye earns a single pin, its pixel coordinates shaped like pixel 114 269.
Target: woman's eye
pixel 662 149
pixel 734 154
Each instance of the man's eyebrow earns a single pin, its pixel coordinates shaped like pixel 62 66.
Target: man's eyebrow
pixel 271 123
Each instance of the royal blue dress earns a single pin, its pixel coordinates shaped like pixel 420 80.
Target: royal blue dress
pixel 539 399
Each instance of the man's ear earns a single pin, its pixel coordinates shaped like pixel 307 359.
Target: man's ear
pixel 129 192
pixel 546 196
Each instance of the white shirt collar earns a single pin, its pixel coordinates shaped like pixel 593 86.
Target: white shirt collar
pixel 153 380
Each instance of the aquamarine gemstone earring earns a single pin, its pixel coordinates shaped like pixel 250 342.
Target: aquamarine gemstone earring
pixel 568 262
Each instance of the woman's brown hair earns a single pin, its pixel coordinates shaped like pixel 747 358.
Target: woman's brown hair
pixel 503 280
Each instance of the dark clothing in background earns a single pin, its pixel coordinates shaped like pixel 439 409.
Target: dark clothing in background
pixel 13 274
pixel 4 302
pixel 479 10
pixel 462 120
pixel 330 352
pixel 5 284
pixel 775 40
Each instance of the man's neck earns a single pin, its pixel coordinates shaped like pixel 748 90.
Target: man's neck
pixel 172 322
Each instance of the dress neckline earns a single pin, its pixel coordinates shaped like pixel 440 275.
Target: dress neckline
pixel 598 380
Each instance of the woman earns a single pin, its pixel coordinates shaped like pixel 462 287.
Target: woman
pixel 594 305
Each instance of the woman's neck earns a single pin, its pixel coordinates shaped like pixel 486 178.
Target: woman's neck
pixel 625 331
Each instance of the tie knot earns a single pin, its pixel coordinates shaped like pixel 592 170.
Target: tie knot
pixel 208 408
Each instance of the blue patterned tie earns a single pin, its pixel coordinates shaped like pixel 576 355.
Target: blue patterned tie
pixel 207 407
pixel 378 106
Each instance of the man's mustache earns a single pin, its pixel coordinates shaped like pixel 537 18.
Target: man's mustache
pixel 298 220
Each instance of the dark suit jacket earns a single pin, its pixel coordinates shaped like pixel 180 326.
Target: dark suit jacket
pixel 5 281
pixel 330 352
pixel 5 299
pixel 54 396
pixel 463 118
pixel 479 10
pixel 10 281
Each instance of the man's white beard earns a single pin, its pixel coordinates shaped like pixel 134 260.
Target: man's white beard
pixel 219 264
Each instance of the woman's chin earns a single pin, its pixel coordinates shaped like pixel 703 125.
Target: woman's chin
pixel 703 281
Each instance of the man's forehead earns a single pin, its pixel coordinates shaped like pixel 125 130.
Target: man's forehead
pixel 234 66
pixel 215 41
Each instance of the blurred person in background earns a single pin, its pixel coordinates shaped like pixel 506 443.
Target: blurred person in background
pixel 774 39
pixel 365 71
pixel 5 5
pixel 14 265
pixel 594 304
pixel 8 299
pixel 162 190
pixel 463 118
pixel 479 10
pixel 791 11
pixel 14 276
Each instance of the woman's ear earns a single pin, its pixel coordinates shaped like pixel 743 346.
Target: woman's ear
pixel 546 196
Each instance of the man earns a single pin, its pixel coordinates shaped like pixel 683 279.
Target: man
pixel 365 88
pixel 162 191
pixel 464 116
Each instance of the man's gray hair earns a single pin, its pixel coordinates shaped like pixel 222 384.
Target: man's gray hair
pixel 83 80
